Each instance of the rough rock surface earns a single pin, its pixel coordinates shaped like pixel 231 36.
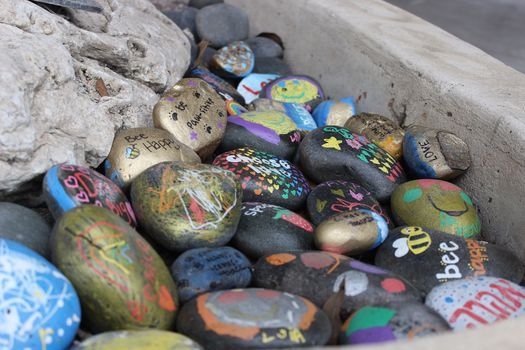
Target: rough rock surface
pixel 70 81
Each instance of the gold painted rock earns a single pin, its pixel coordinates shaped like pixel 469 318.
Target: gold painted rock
pixel 351 232
pixel 194 114
pixel 380 130
pixel 134 150
pixel 436 205
pixel 121 281
pixel 185 206
pixel 236 60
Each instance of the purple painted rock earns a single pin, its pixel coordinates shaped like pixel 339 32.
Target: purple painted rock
pixel 295 89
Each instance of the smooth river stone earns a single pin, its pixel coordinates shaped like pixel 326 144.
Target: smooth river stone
pixel 273 132
pixel 318 276
pixel 334 112
pixel 441 257
pixel 436 205
pixel 474 302
pixel 297 112
pixel 253 318
pixel 271 65
pixel 122 282
pixel 202 270
pixel 335 153
pixel 220 24
pixel 351 232
pixel 223 88
pixel 332 197
pixel 69 186
pixel 380 130
pixel 300 89
pixel 265 47
pixel 236 60
pixel 393 321
pixel 185 206
pixel 266 178
pixel 136 149
pixel 435 154
pixel 39 308
pixel 251 86
pixel 266 229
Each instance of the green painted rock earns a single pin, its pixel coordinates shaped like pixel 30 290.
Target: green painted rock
pixel 185 206
pixel 121 281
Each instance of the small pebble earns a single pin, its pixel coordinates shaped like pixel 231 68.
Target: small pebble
pixel 221 24
pixel 236 60
pixel 234 108
pixel 332 112
pixel 265 47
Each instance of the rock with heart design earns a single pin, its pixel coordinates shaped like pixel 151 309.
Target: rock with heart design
pixel 202 270
pixel 266 178
pixel 223 88
pixel 265 229
pixel 390 322
pixel 253 318
pixel 250 87
pixel 68 186
pixel 184 206
pixel 380 130
pixel 300 89
pixel 120 279
pixel 136 149
pixel 273 132
pixel 297 112
pixel 332 112
pixel 335 153
pixel 236 60
pixel 436 205
pixel 351 232
pixel 441 257
pixel 319 276
pixel 475 302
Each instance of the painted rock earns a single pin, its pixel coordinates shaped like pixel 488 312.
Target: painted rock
pixel 295 89
pixel 435 154
pixel 388 322
pixel 25 226
pixel 68 186
pixel 39 309
pixel 297 112
pixel 121 280
pixel 194 114
pixel 266 178
pixel 220 24
pixel 334 112
pixel 441 257
pixel 220 85
pixel 332 197
pixel 251 86
pixel 351 232
pixel 265 229
pixel 474 302
pixel 201 270
pixel 134 150
pixel 334 153
pixel 380 130
pixel 318 276
pixel 236 60
pixel 253 318
pixel 436 205
pixel 271 65
pixel 265 47
pixel 151 339
pixel 235 108
pixel 273 132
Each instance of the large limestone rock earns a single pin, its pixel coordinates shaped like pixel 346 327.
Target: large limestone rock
pixel 69 81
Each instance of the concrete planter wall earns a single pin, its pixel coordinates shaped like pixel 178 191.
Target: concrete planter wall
pixel 401 66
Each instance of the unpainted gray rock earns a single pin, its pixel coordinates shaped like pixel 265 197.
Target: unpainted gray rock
pixel 203 3
pixel 265 47
pixel 222 24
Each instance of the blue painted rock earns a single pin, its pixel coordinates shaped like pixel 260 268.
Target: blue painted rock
pixel 39 309
pixel 297 112
pixel 333 197
pixel 273 132
pixel 121 281
pixel 295 89
pixel 253 318
pixel 332 112
pixel 185 206
pixel 436 205
pixel 68 186
pixel 265 47
pixel 251 86
pixel 435 154
pixel 335 153
pixel 201 270
pixel 389 322
pixel 474 302
pixel 220 85
pixel 236 60
pixel 220 24
pixel 235 108
pixel 265 229
pixel 151 339
pixel 266 178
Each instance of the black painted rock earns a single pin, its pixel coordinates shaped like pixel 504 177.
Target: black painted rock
pixel 273 132
pixel 441 257
pixel 334 153
pixel 201 270
pixel 271 65
pixel 389 322
pixel 203 3
pixel 332 197
pixel 221 24
pixel 317 276
pixel 299 89
pixel 265 229
pixel 225 89
pixel 265 47
pixel 253 318
pixel 236 60
pixel 266 178
pixel 138 340
pixel 184 17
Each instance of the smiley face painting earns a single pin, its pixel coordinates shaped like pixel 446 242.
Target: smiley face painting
pixel 296 89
